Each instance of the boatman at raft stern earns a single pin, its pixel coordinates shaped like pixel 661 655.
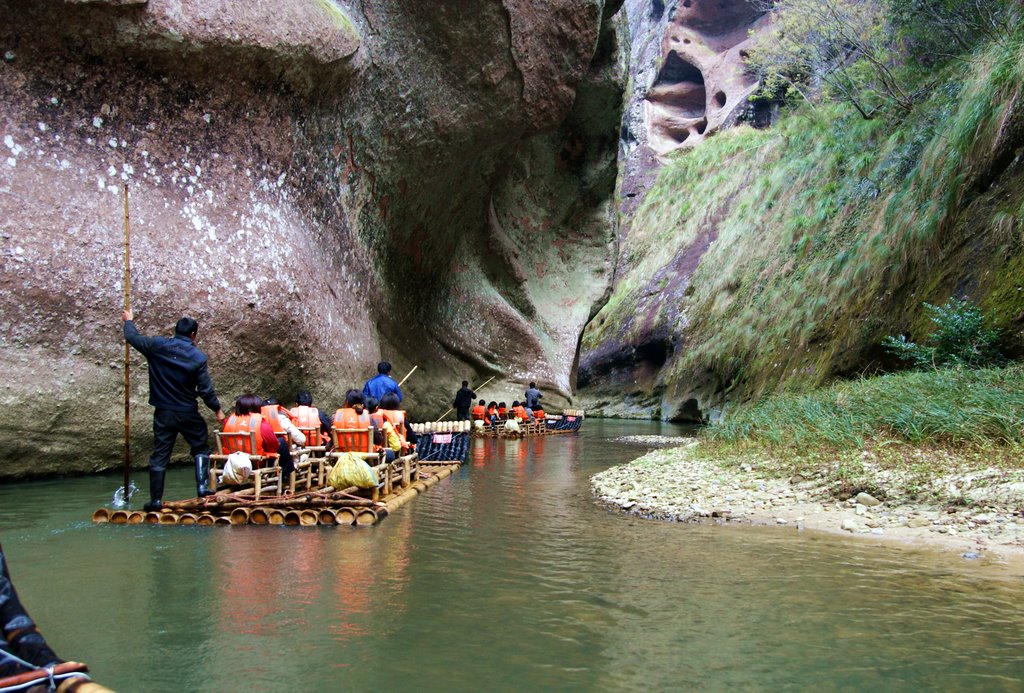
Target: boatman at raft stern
pixel 382 383
pixel 177 375
pixel 533 396
pixel 463 401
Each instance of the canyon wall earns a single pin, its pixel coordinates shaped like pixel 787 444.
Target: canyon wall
pixel 321 184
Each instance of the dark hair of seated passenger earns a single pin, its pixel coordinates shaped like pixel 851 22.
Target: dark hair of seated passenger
pixel 354 397
pixel 248 404
pixel 390 402
pixel 371 404
pixel 304 398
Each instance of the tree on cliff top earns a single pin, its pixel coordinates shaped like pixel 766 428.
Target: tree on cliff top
pixel 844 49
pixel 858 51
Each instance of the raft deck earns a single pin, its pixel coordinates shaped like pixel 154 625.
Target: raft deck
pixel 304 500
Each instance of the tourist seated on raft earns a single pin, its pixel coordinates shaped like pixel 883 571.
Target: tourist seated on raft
pixel 480 411
pixel 390 406
pixel 305 415
pixel 521 412
pixel 392 442
pixel 354 415
pixel 280 420
pixel 502 411
pixel 247 418
pixel 538 413
pixel 492 412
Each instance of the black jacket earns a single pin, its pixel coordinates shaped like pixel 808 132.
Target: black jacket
pixel 464 398
pixel 177 371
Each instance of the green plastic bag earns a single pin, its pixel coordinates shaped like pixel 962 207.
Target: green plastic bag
pixel 351 470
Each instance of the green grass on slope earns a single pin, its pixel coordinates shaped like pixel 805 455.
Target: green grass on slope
pixel 951 407
pixel 831 230
pixel 919 426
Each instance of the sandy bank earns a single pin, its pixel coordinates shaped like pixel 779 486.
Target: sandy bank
pixel 677 484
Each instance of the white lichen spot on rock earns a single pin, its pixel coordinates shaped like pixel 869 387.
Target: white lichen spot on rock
pixel 42 126
pixel 12 162
pixel 112 143
pixel 97 122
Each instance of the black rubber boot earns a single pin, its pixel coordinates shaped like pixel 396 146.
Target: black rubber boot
pixel 203 476
pixel 156 490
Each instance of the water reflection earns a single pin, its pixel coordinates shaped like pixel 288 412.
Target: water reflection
pixel 505 577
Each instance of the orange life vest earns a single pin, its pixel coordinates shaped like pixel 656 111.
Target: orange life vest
pixel 397 419
pixel 520 412
pixel 246 423
pixel 479 412
pixel 273 413
pixel 539 414
pixel 307 418
pixel 378 418
pixel 502 412
pixel 492 411
pixel 350 418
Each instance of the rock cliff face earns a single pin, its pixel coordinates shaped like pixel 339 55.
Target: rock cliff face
pixel 689 82
pixel 321 184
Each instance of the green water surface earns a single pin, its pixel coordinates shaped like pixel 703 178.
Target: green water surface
pixel 505 577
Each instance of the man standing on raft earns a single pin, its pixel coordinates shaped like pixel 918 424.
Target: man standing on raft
pixel 177 375
pixel 463 401
pixel 382 383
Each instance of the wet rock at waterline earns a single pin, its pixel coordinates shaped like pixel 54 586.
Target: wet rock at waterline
pixel 320 186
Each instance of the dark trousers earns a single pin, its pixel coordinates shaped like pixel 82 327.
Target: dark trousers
pixel 167 425
pixel 284 456
pixel 462 414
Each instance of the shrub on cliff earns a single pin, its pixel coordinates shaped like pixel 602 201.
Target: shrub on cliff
pixel 960 338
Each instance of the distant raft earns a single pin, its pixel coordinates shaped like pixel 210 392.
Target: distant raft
pixel 569 421
pixel 304 498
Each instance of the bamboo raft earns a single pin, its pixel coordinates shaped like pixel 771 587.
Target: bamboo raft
pixel 569 421
pixel 304 499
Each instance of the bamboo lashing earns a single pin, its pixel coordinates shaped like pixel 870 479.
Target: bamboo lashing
pixel 127 353
pixel 474 389
pixel 402 381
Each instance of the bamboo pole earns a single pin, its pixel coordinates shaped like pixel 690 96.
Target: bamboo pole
pixel 346 516
pixel 258 516
pixel 450 410
pixel 239 516
pixel 402 381
pixel 127 353
pixel 288 503
pixel 82 683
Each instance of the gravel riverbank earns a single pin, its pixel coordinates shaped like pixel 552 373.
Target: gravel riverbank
pixel 978 513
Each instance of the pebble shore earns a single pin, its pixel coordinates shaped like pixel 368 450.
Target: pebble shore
pixel 677 484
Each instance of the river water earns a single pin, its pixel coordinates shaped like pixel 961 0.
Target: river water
pixel 505 577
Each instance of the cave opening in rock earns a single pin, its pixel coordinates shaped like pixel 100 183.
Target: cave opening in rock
pixel 680 84
pixel 720 99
